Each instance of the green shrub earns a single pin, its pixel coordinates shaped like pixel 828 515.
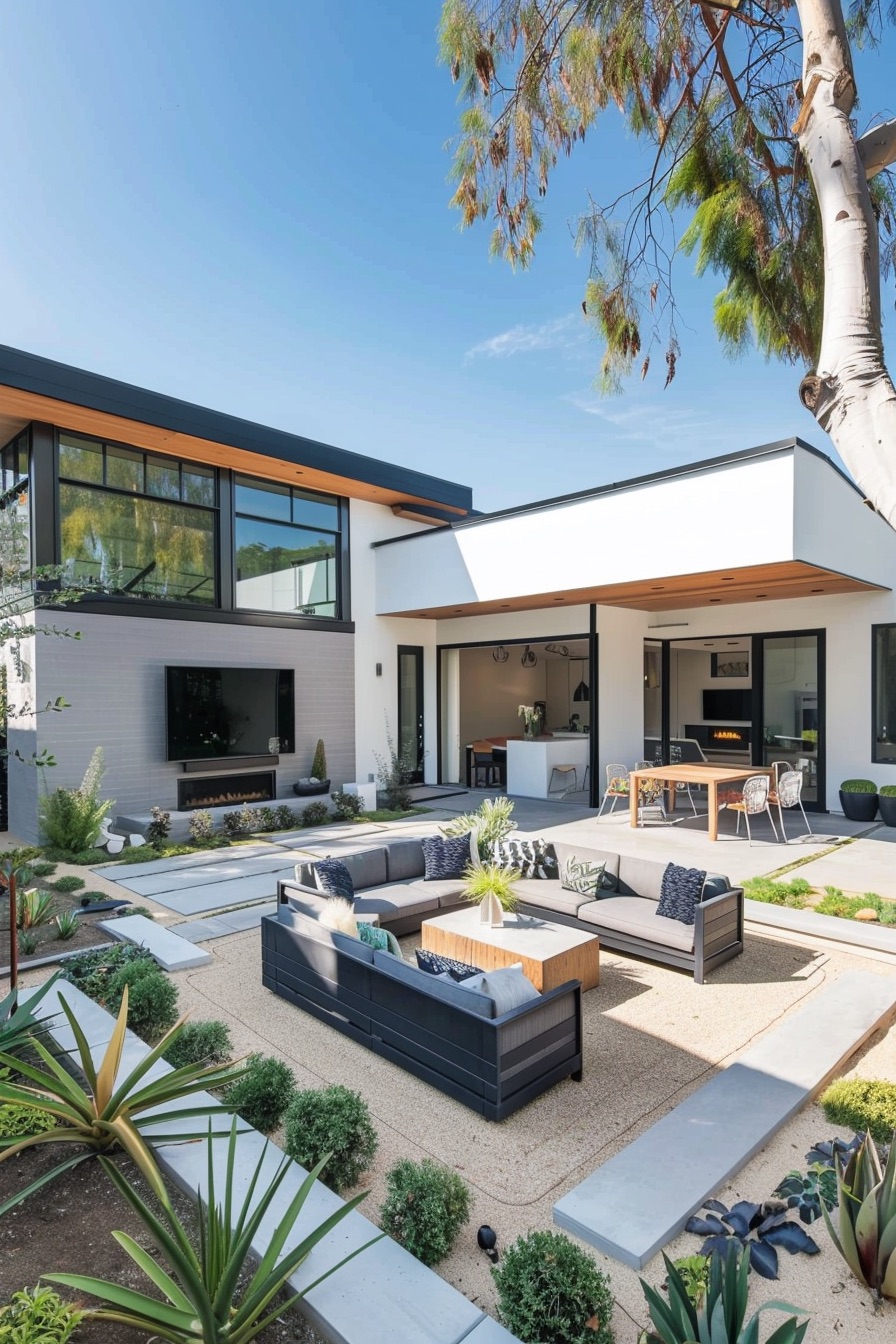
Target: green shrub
pixel 888 912
pixel 319 762
pixel 17 1122
pixel 70 819
pixel 262 1096
pixel 790 894
pixel 92 972
pixel 38 1316
pixel 394 772
pixel 315 814
pixel 159 828
pixel 885 791
pixel 68 883
pixel 34 908
pixel 87 858
pixel 234 823
pixel 202 826
pixel 286 817
pixel 200 1043
pixel 346 806
pixel 866 1104
pixel 66 925
pixel 27 943
pixel 426 1206
pixel 152 998
pixel 267 819
pixel 550 1289
pixel 93 897
pixel 42 868
pixel 847 907
pixel 858 786
pixel 331 1120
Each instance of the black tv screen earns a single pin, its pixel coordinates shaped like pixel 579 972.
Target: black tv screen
pixel 729 706
pixel 229 711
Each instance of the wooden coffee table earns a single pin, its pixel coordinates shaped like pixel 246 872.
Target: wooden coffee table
pixel 551 954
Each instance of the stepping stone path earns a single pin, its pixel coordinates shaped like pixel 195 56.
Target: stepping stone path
pixel 172 952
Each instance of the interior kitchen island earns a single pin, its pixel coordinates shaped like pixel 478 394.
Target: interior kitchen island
pixel 531 763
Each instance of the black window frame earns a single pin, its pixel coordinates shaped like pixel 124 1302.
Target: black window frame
pixel 876 629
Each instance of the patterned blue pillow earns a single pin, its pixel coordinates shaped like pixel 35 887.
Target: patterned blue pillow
pixel 445 856
pixel 680 893
pixel 434 964
pixel 332 877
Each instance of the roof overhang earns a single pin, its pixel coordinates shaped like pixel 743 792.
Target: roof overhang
pixel 32 388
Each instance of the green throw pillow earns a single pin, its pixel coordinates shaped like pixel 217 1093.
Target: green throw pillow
pixel 378 938
pixel 581 875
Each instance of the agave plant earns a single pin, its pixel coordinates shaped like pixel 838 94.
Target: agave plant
pixel 18 1024
pixel 201 1285
pixel 110 1112
pixel 720 1318
pixel 34 908
pixel 866 1227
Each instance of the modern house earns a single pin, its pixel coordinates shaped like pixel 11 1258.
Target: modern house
pixel 246 591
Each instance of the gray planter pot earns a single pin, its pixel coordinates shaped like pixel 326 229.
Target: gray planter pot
pixel 887 804
pixel 859 806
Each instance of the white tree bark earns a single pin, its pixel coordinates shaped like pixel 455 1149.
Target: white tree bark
pixel 850 393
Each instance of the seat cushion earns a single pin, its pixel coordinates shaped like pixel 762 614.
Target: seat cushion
pixel 640 877
pixel 638 918
pixel 448 991
pixel 680 893
pixel 448 890
pixel 404 859
pixel 550 896
pixel 399 899
pixel 367 867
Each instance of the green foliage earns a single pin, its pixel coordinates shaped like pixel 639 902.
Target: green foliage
pixel 847 907
pixel 152 998
pixel 858 786
pixel 790 894
pixel 263 1094
pixel 66 925
pixel 199 1043
pixel 807 1191
pixel 550 1289
pixel 87 858
pixel 38 1316
pixel 233 823
pixel 694 1273
pixel 885 791
pixel 394 772
pixel 319 763
pixel 267 819
pixel 93 897
pixel 34 908
pixel 42 868
pixel 331 1125
pixel 108 1111
pixel 17 1122
pixel 346 806
pixel 19 1026
pixel 286 817
pixel 202 826
pixel 492 880
pixel 203 1304
pixel 68 883
pixel 91 972
pixel 27 943
pixel 426 1206
pixel 491 822
pixel 866 1226
pixel 315 814
pixel 866 1104
pixel 70 819
pixel 720 1319
pixel 159 829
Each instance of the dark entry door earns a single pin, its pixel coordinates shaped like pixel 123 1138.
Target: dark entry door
pixel 410 708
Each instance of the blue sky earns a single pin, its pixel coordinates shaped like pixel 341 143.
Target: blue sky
pixel 246 205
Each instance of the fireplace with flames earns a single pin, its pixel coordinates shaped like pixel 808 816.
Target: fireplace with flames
pixel 735 737
pixel 225 790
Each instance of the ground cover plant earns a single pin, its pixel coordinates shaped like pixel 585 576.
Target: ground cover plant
pixel 41 905
pixel 791 894
pixel 835 903
pixel 760 1228
pixel 550 1289
pixel 38 1316
pixel 331 1122
pixel 426 1206
pixel 864 1104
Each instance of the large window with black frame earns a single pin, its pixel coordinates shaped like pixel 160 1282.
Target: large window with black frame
pixel 884 693
pixel 287 546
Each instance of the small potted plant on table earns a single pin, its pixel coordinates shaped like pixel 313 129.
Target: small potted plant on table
pixel 317 781
pixel 858 798
pixel 492 887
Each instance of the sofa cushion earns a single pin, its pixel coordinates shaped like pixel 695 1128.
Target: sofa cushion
pixel 448 890
pixel 312 928
pixel 304 902
pixel 638 918
pixel 433 963
pixel 682 889
pixel 333 878
pixel 367 867
pixel 399 900
pixel 715 885
pixel 448 991
pixel 564 849
pixel 506 986
pixel 640 877
pixel 445 856
pixel 582 875
pixel 404 859
pixel 550 896
pixel 531 858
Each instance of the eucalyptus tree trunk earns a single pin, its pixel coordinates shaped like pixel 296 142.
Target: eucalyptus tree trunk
pixel 850 392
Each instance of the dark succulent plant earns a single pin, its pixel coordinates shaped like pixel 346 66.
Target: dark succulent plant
pixel 807 1191
pixel 834 1152
pixel 760 1227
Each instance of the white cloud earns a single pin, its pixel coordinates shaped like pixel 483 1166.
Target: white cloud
pixel 520 340
pixel 664 426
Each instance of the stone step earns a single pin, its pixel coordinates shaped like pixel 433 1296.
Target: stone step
pixel 172 952
pixel 640 1199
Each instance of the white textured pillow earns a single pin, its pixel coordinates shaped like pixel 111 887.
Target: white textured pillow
pixel 339 914
pixel 507 987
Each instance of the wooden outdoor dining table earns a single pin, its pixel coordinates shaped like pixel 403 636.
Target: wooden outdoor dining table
pixel 709 775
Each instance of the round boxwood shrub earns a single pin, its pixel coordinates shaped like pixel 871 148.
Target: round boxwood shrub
pixel 551 1290
pixel 858 786
pixel 152 999
pixel 426 1206
pixel 199 1043
pixel 331 1120
pixel 68 883
pixel 315 814
pixel 867 1104
pixel 262 1095
pixel 43 868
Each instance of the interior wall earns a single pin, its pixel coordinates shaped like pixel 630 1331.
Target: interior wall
pixel 790 667
pixel 491 693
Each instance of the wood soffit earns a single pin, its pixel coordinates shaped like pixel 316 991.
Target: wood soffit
pixel 18 408
pixel 754 583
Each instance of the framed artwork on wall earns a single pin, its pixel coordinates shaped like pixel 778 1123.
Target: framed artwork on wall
pixel 729 665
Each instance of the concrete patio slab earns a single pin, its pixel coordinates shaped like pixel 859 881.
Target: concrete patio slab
pixel 867 864
pixel 877 937
pixel 120 872
pixel 200 875
pixel 170 950
pixel 640 1199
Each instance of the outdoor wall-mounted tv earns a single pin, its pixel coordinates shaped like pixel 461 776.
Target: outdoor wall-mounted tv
pixel 729 706
pixel 229 711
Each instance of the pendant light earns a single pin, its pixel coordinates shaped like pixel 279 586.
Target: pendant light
pixel 581 692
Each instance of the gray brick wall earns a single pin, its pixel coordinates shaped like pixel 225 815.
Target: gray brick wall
pixel 114 681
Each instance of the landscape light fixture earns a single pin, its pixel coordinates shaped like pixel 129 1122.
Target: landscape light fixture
pixel 488 1242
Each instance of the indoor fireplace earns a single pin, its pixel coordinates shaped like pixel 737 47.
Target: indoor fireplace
pixel 226 790
pixel 720 736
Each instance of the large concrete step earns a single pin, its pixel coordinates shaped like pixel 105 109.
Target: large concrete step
pixel 640 1199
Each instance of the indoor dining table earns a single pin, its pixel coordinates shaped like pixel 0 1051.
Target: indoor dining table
pixel 703 774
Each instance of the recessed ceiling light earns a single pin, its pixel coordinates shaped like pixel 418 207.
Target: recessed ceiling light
pixel 762 594
pixel 658 589
pixel 504 606
pixel 558 599
pixel 728 579
pixel 715 599
pixel 817 590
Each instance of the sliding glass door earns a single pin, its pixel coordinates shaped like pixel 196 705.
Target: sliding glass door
pixel 410 708
pixel 791 678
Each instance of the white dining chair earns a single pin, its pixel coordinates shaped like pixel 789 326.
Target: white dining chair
pixel 788 793
pixel 755 800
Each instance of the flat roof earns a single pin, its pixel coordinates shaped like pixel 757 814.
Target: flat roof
pixel 35 388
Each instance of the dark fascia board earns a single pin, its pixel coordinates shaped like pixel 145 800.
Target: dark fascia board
pixel 46 377
pixel 634 482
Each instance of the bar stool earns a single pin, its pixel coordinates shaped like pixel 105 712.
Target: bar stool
pixel 564 771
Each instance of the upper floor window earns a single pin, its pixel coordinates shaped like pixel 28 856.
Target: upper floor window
pixel 884 682
pixel 15 529
pixel 137 524
pixel 287 545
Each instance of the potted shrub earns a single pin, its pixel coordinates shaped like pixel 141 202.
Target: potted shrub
pixel 886 797
pixel 317 781
pixel 858 798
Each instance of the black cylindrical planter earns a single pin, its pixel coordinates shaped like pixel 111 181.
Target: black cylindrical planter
pixel 859 806
pixel 887 808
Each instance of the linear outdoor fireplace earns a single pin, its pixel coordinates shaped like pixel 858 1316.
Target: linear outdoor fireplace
pixel 720 736
pixel 221 790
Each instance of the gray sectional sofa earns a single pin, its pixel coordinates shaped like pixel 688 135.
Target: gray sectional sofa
pixel 389 883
